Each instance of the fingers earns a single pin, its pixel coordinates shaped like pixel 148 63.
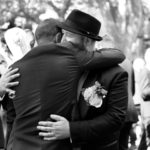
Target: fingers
pixel 13 76
pixel 11 84
pixel 43 128
pixel 46 134
pixel 46 123
pixel 8 70
pixel 10 91
pixel 57 117
pixel 11 71
pixel 49 139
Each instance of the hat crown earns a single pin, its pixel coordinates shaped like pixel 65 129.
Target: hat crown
pixel 84 22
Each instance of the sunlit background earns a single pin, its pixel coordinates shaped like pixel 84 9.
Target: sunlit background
pixel 127 22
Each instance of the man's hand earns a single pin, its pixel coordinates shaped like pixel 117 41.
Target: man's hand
pixel 5 81
pixel 54 130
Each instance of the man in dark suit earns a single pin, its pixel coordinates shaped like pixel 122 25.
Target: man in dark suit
pixel 100 116
pixel 48 84
pixel 97 127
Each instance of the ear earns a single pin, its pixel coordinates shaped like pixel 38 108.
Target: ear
pixel 58 37
pixel 87 41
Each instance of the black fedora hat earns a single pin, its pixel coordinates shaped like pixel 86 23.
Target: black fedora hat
pixel 83 24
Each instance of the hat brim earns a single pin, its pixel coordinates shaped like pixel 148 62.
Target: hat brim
pixel 65 26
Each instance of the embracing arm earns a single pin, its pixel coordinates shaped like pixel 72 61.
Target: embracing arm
pixel 89 130
pixel 99 59
pixel 111 121
pixel 6 81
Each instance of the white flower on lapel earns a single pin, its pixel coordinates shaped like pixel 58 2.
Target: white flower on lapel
pixel 94 95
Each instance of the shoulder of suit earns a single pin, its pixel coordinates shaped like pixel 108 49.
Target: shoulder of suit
pixel 47 46
pixel 111 74
pixel 48 49
pixel 51 48
pixel 114 70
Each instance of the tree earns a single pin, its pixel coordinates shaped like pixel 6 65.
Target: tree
pixel 61 11
pixel 123 21
pixel 28 9
pixel 123 25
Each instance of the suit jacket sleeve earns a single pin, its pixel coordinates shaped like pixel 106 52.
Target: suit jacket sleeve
pixel 110 121
pixel 100 59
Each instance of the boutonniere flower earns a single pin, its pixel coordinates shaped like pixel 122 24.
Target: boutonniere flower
pixel 94 95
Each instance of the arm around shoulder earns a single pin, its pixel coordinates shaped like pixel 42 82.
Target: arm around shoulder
pixel 100 59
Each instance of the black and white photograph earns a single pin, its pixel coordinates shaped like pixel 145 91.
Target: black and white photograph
pixel 75 75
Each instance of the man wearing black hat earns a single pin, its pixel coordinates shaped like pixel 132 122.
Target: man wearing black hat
pixel 102 104
pixel 48 84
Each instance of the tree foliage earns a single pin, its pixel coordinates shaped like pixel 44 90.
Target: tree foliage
pixel 29 9
pixel 123 26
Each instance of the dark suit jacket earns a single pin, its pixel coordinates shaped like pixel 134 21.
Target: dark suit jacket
pixel 98 128
pixel 48 84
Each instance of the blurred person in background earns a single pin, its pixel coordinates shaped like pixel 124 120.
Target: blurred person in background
pixel 30 36
pixel 132 115
pixel 5 87
pixel 3 64
pixel 6 76
pixel 138 65
pixel 15 44
pixel 144 86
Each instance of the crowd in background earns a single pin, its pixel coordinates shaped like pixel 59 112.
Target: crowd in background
pixel 15 42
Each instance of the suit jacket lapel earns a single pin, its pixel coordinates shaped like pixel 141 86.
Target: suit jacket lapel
pixel 90 79
pixel 75 111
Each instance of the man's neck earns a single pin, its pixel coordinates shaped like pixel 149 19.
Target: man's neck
pixel 44 42
pixel 77 45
